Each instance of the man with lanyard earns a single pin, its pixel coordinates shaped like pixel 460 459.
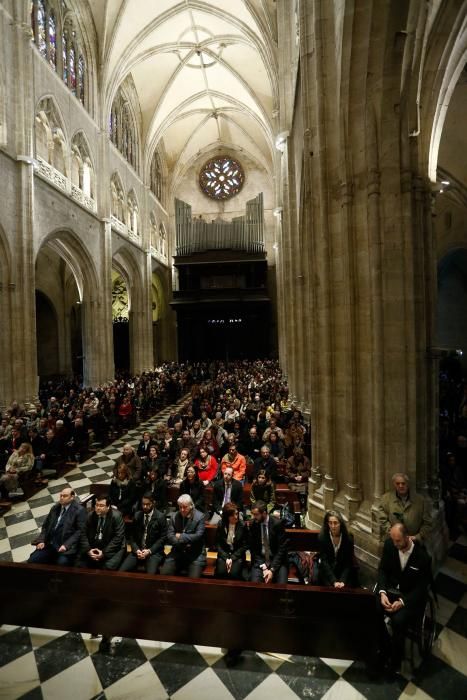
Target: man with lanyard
pixel 148 538
pixel 61 532
pixel 268 547
pixel 103 540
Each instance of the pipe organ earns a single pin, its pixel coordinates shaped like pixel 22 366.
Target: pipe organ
pixel 245 233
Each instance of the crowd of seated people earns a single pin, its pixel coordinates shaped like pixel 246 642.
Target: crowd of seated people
pixel 73 536
pixel 68 419
pixel 237 429
pixel 231 423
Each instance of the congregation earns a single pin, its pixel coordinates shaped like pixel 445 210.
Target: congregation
pixel 234 438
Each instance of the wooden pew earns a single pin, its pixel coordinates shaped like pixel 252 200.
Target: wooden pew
pixel 300 539
pixel 235 615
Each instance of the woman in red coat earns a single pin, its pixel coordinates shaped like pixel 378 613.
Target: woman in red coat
pixel 206 465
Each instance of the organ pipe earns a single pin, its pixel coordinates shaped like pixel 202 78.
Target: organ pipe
pixel 245 233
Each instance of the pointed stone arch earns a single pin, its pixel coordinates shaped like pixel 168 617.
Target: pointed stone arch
pixel 69 247
pixel 132 270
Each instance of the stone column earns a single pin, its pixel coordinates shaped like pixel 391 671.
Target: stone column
pixel 108 366
pixel 368 239
pixel 23 356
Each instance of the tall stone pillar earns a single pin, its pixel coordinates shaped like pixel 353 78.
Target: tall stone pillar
pixel 108 366
pixel 141 351
pixel 365 229
pixel 23 352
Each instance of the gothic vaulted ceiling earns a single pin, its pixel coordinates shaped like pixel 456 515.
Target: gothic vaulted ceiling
pixel 204 71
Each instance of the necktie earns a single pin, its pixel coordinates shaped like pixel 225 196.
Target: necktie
pixel 145 534
pixel 265 538
pixel 100 527
pixel 227 492
pixel 59 518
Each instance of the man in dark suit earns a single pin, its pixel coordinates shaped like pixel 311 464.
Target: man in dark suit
pixel 268 547
pixel 186 535
pixel 61 532
pixel 148 538
pixel 103 539
pixel 228 490
pixel 404 576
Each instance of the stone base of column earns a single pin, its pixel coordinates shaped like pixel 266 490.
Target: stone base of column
pixel 315 514
pixel 368 548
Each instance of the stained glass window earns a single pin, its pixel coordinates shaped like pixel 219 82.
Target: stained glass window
pixel 81 78
pixel 41 28
pixel 221 177
pixel 65 56
pixel 52 41
pixel 72 68
pixel 123 132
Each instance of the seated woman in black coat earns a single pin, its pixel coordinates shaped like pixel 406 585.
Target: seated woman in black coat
pixel 122 490
pixel 337 564
pixel 194 487
pixel 231 544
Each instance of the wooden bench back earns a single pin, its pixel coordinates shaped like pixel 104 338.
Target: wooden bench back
pixel 290 619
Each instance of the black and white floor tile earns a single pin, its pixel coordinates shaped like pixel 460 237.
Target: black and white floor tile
pixel 37 664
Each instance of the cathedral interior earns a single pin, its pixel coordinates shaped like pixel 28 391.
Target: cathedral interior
pixel 197 180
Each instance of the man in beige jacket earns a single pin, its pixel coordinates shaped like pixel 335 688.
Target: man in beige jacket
pixel 401 505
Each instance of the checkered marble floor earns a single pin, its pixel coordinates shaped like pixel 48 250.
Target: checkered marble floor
pixel 37 664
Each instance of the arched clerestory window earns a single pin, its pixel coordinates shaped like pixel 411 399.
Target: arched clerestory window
pixel 123 129
pixel 155 176
pixel 58 39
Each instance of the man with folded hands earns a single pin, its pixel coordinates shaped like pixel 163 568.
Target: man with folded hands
pixel 404 576
pixel 149 534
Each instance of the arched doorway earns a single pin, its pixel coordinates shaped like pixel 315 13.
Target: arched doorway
pixel 48 365
pixel 58 314
pixel 66 274
pixel 120 322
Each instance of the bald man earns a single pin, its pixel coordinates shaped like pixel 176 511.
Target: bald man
pixel 404 576
pixel 61 532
